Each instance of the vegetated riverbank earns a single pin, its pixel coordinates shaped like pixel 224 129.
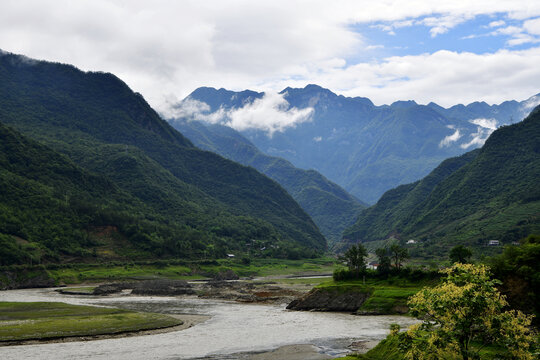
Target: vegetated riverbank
pixel 260 330
pixel 372 296
pixel 389 348
pixel 17 277
pixel 31 322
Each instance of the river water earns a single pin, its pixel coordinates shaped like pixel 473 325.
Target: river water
pixel 231 328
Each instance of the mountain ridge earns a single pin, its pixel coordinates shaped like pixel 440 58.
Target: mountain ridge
pixel 343 136
pixel 103 127
pixel 331 207
pixel 490 193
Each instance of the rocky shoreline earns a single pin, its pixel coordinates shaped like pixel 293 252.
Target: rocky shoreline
pixel 267 292
pixel 298 297
pixel 321 299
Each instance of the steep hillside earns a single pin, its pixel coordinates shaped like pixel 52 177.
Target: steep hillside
pixel 330 207
pixel 488 194
pixel 105 128
pixel 49 206
pixel 364 148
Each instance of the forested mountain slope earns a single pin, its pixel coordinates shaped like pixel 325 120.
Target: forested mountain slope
pixel 330 207
pixel 104 128
pixel 488 194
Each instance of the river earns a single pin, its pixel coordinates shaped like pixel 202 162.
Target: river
pixel 231 329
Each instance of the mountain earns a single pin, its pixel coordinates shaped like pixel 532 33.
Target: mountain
pixel 490 193
pixel 364 148
pixel 33 183
pixel 331 208
pixel 204 204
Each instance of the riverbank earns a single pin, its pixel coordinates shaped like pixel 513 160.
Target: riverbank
pixel 19 277
pixel 373 296
pixel 303 352
pixel 252 330
pixel 38 322
pixel 272 290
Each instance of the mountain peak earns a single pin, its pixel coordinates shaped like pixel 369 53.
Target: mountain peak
pixel 224 98
pixel 308 89
pixel 402 104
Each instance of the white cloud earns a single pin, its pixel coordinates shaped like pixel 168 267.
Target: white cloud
pixel 517 35
pixel 188 109
pixel 270 113
pixel 484 129
pixel 496 23
pixel 520 39
pixel 317 138
pixel 490 124
pixel 509 30
pixel 529 105
pixel 165 50
pixel 448 140
pixel 467 76
pixel 532 26
pixel 441 24
pixel 438 24
pixel 191 109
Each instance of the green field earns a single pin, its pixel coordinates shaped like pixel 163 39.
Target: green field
pixel 50 320
pixel 387 296
pixel 88 273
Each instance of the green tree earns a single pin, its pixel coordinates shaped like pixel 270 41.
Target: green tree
pixel 355 259
pixel 519 269
pixel 465 308
pixel 384 260
pixel 460 254
pixel 398 255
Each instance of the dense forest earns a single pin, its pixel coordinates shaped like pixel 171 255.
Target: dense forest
pixel 90 171
pixel 331 207
pixel 488 194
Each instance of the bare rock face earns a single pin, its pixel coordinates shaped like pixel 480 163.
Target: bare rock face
pixel 330 300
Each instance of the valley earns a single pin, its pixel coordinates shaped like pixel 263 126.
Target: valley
pixel 212 232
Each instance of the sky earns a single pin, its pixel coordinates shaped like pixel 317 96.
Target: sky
pixel 448 52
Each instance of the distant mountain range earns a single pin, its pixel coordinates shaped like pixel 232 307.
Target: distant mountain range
pixel 492 193
pixel 364 148
pixel 330 207
pixel 85 160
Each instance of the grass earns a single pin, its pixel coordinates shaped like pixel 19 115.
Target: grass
pixel 50 320
pixel 273 267
pixel 386 349
pixel 89 273
pixel 92 273
pixel 388 300
pixel 389 349
pixel 301 281
pixel 387 296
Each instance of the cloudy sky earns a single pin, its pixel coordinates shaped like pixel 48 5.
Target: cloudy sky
pixel 444 51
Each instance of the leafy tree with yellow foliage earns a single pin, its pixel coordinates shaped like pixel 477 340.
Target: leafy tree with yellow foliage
pixel 466 308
